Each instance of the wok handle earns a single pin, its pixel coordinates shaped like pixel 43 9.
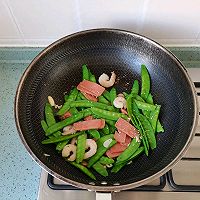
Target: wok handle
pixel 103 196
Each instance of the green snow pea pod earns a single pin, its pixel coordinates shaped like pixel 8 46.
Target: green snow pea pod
pixel 108 115
pixel 82 96
pixel 106 129
pixel 116 168
pixel 103 144
pixel 102 99
pixel 144 106
pixel 135 88
pixel 85 72
pixel 148 130
pixel 80 150
pixel 134 145
pixel 85 170
pixel 106 94
pixel 145 82
pixel 106 161
pixel 74 118
pixel 73 95
pixel 113 95
pixel 93 79
pixel 100 169
pixel 73 111
pixel 44 125
pixel 153 117
pixel 61 145
pixel 50 119
pixel 94 133
pixel 61 138
pixel 132 111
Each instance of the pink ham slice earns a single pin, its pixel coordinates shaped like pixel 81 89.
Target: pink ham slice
pixel 125 127
pixel 120 136
pixel 118 147
pixel 112 155
pixel 89 97
pixel 89 124
pixel 127 141
pixel 91 88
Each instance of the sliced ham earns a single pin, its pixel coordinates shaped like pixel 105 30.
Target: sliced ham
pixel 66 115
pixel 112 155
pixel 89 124
pixel 125 127
pixel 127 141
pixel 90 88
pixel 88 118
pixel 118 147
pixel 89 97
pixel 120 137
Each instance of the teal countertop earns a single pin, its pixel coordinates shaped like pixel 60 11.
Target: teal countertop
pixel 20 175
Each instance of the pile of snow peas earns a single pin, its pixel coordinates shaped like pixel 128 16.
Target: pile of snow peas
pixel 140 111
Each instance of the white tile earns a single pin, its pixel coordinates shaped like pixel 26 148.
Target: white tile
pixel 8 28
pixel 41 20
pixel 176 20
pixel 113 14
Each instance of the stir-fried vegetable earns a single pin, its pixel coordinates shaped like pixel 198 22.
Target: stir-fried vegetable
pixel 101 129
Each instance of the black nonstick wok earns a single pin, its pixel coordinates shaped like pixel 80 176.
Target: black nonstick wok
pixel 57 68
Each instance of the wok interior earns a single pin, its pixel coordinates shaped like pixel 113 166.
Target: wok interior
pixel 60 68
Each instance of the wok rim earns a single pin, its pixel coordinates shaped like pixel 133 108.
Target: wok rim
pixel 104 188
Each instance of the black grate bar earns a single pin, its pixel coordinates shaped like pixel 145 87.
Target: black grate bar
pixel 53 186
pixel 180 188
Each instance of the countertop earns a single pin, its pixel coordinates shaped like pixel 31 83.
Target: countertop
pixel 19 174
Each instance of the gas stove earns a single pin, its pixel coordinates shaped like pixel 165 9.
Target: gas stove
pixel 182 182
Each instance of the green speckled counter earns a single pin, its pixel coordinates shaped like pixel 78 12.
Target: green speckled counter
pixel 19 174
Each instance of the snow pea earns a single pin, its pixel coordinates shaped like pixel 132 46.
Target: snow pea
pixel 59 125
pixel 116 168
pixel 144 106
pixel 106 161
pixel 132 111
pixel 159 127
pixel 105 114
pixel 102 99
pixel 50 119
pixel 94 133
pixel 106 130
pixel 73 94
pixel 135 88
pixel 73 111
pixel 93 79
pixel 106 94
pixel 101 149
pixel 80 150
pixel 82 96
pixel 153 117
pixel 44 125
pixel 145 82
pixel 84 170
pixel 66 97
pixel 61 145
pixel 113 95
pixel 133 146
pixel 61 138
pixel 148 130
pixel 85 72
pixel 100 169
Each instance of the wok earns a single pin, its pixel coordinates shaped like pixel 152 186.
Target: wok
pixel 58 67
